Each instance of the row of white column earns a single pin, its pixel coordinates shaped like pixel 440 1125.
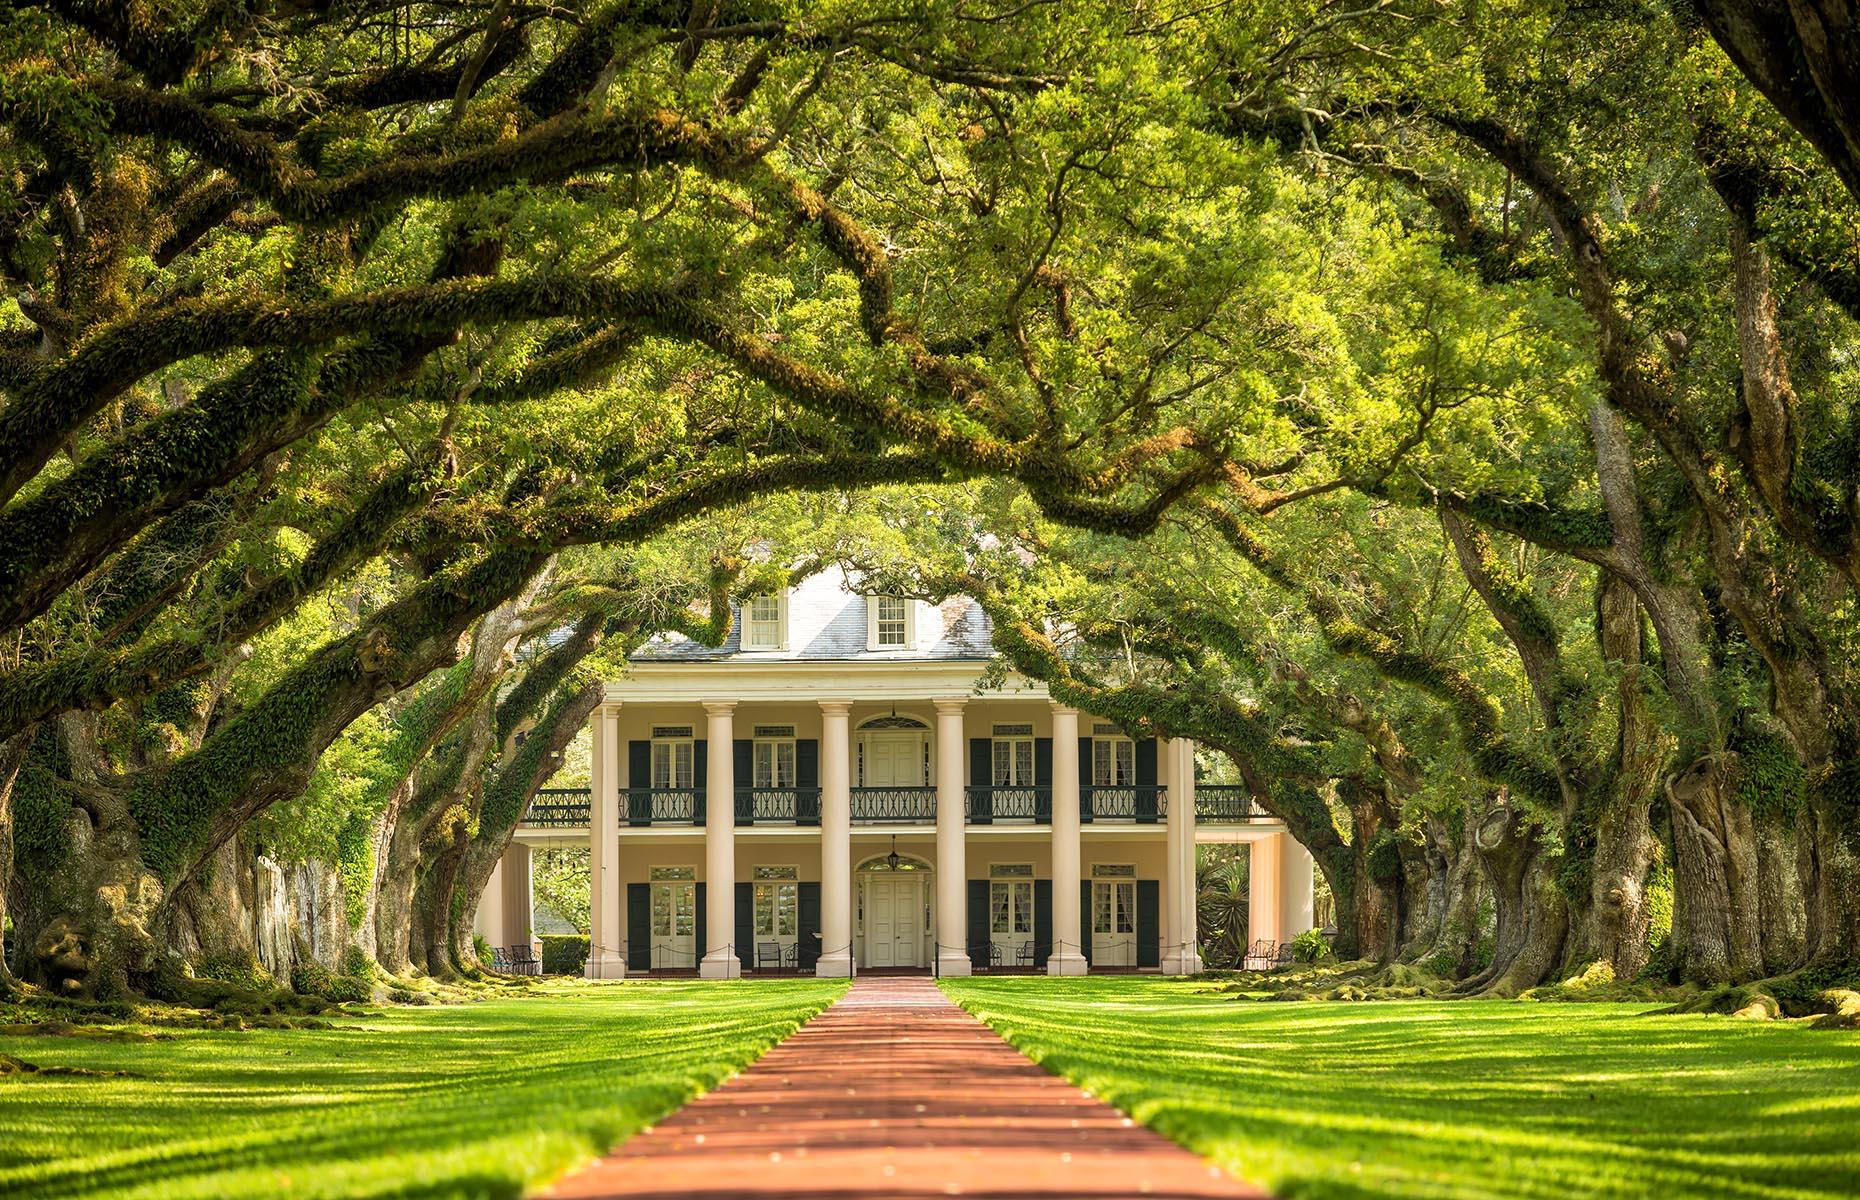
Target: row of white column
pixel 606 959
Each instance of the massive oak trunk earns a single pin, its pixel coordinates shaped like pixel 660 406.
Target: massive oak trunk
pixel 1377 884
pixel 113 849
pixel 1613 824
pixel 1533 917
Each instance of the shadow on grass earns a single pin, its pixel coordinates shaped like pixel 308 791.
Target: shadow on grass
pixel 479 1100
pixel 1454 1099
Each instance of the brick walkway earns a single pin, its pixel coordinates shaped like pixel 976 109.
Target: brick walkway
pixel 896 1092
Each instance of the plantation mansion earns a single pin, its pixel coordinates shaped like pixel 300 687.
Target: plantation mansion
pixel 834 790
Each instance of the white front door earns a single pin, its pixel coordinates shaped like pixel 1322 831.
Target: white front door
pixel 892 916
pixel 894 760
pixel 1114 923
pixel 674 926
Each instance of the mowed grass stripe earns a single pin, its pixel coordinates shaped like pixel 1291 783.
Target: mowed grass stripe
pixel 1453 1099
pixel 454 1101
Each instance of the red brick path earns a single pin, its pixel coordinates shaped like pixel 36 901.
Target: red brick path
pixel 896 1092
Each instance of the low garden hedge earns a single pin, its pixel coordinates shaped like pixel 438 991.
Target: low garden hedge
pixel 564 953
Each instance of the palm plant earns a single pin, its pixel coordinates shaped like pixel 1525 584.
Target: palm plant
pixel 1221 909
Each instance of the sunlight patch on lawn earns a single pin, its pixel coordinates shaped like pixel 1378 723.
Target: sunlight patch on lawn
pixel 1452 1099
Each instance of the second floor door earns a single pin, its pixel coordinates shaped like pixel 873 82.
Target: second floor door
pixel 894 760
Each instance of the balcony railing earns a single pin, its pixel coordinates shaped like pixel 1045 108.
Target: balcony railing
pixel 558 808
pixel 884 805
pixel 987 804
pixel 778 806
pixel 1144 803
pixel 1230 802
pixel 664 806
pixel 568 808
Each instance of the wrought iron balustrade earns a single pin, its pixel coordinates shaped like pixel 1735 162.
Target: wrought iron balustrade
pixel 664 806
pixel 1144 803
pixel 988 804
pixel 1229 802
pixel 558 808
pixel 778 806
pixel 913 805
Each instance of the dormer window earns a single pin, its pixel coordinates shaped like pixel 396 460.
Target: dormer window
pixel 765 623
pixel 889 623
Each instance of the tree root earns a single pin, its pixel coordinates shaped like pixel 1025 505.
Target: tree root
pixel 13 1067
pixel 1824 997
pixel 1364 979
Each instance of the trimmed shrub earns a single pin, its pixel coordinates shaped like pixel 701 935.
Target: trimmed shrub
pixel 564 953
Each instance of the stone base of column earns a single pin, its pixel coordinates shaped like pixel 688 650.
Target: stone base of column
pixel 604 964
pixel 1187 962
pixel 720 965
pixel 950 963
pixel 834 966
pixel 1066 964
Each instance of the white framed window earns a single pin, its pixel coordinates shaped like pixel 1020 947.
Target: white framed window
pixel 673 756
pixel 765 622
pixel 772 757
pixel 1010 906
pixel 777 901
pixel 891 623
pixel 1113 761
pixel 1013 756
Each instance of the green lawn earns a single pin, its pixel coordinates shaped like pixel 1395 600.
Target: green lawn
pixel 465 1100
pixel 1460 1099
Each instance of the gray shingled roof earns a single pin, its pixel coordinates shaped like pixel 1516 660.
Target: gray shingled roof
pixel 826 622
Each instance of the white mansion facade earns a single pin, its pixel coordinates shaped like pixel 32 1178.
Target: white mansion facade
pixel 832 790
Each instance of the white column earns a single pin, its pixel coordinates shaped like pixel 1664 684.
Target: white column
pixel 1262 888
pixel 1067 957
pixel 1184 827
pixel 720 961
pixel 836 955
pixel 1168 762
pixel 519 915
pixel 1296 904
pixel 952 873
pixel 1171 898
pixel 606 933
pixel 488 921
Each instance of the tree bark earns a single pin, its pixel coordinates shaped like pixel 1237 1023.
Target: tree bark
pixel 12 757
pixel 1533 917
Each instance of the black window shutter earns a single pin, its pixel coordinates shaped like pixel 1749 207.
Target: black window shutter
pixel 638 927
pixel 1149 923
pixel 745 924
pixel 807 927
pixel 1043 777
pixel 743 755
pixel 807 775
pixel 1085 778
pixel 1085 920
pixel 638 779
pixel 703 929
pixel 1042 921
pixel 981 775
pixel 1146 762
pixel 700 778
pixel 1146 779
pixel 978 924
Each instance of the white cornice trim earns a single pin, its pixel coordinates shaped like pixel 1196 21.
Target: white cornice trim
pixel 647 683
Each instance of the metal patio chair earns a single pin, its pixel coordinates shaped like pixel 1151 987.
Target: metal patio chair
pixel 1260 956
pixel 768 955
